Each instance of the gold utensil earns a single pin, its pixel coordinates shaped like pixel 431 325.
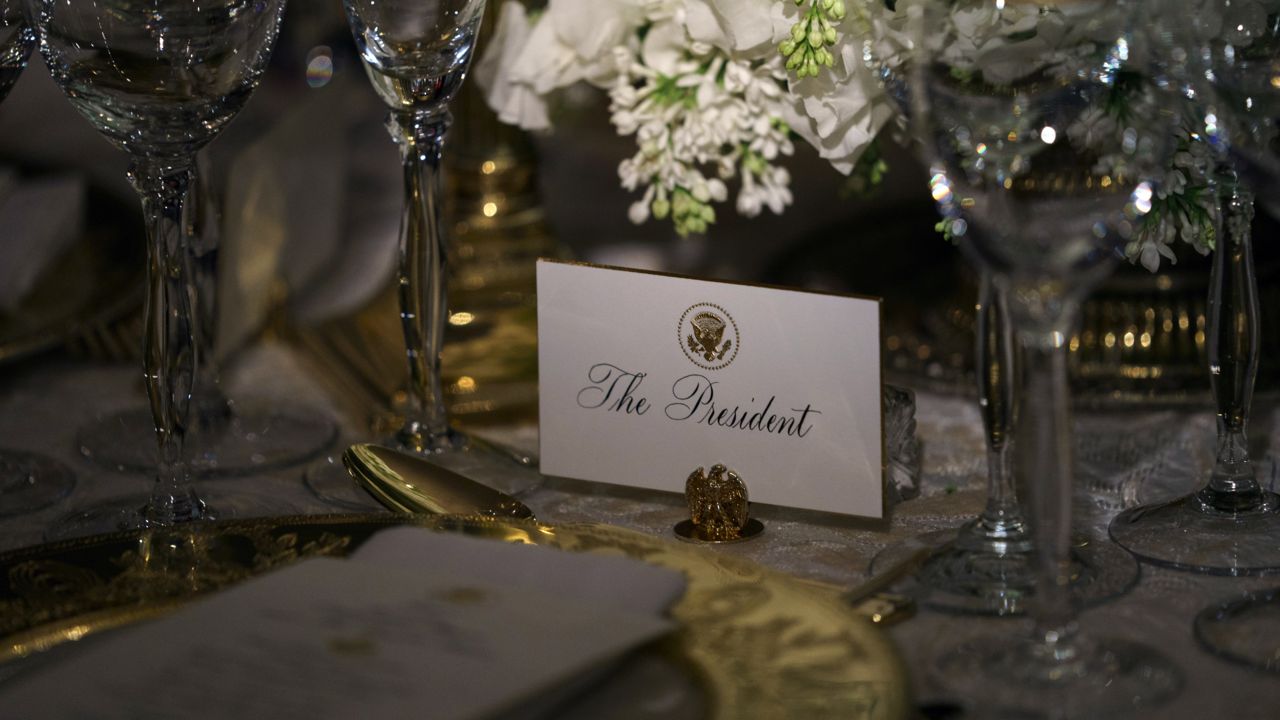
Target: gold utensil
pixel 408 484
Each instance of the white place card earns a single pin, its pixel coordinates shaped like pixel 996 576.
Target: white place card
pixel 644 377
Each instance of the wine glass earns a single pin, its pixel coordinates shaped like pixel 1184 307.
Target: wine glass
pixel 1231 525
pixel 159 79
pixel 987 566
pixel 28 481
pixel 416 55
pixel 226 438
pixel 1045 126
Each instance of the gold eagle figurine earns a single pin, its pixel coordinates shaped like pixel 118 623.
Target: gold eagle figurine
pixel 717 503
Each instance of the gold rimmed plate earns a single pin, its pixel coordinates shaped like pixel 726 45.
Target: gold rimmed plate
pixel 760 644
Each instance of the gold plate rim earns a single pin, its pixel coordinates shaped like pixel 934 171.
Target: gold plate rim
pixel 765 644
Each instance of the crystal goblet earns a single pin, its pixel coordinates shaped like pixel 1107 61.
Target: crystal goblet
pixel 226 438
pixel 1231 525
pixel 1046 125
pixel 416 55
pixel 987 565
pixel 159 80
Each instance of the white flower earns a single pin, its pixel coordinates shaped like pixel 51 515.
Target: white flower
pixel 743 28
pixel 839 112
pixel 516 103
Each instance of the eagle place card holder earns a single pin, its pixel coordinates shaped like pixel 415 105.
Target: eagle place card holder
pixel 704 387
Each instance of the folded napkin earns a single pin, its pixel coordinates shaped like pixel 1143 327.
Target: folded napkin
pixel 39 221
pixel 416 624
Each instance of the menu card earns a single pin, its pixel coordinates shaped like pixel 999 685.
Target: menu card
pixel 416 624
pixel 645 377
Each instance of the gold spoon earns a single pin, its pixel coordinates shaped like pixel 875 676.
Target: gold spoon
pixel 409 484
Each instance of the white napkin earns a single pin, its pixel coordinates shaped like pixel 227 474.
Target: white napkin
pixel 415 625
pixel 39 221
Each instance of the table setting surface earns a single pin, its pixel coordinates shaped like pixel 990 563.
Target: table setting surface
pixel 1126 457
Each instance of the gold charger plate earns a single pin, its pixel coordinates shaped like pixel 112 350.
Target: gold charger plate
pixel 763 644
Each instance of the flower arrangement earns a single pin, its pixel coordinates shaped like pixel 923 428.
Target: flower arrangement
pixel 712 90
pixel 715 91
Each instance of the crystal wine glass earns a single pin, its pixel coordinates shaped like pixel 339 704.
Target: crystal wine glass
pixel 1045 125
pixel 416 54
pixel 987 565
pixel 226 438
pixel 159 79
pixel 1231 525
pixel 28 481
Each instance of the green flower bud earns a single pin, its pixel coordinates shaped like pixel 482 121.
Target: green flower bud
pixel 837 9
pixel 829 35
pixel 797 32
pixel 795 61
pixel 708 213
pixel 661 208
pixel 787 47
pixel 815 38
pixel 826 4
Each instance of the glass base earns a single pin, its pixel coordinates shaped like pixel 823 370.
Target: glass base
pixel 254 439
pixel 1245 630
pixel 1098 678
pixel 477 459
pixel 1183 536
pixel 29 482
pixel 129 513
pixel 968 578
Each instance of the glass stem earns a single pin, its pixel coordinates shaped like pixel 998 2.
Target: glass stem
pixel 1046 461
pixel 212 408
pixel 423 267
pixel 169 358
pixel 1233 357
pixel 1001 521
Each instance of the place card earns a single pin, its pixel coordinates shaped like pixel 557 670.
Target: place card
pixel 644 377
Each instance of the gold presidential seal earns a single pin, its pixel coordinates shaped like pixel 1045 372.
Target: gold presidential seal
pixel 708 336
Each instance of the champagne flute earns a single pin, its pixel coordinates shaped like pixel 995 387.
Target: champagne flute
pixel 28 481
pixel 416 54
pixel 160 80
pixel 1045 124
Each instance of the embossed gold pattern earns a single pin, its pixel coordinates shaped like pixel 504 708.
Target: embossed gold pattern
pixel 765 645
pixel 701 330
